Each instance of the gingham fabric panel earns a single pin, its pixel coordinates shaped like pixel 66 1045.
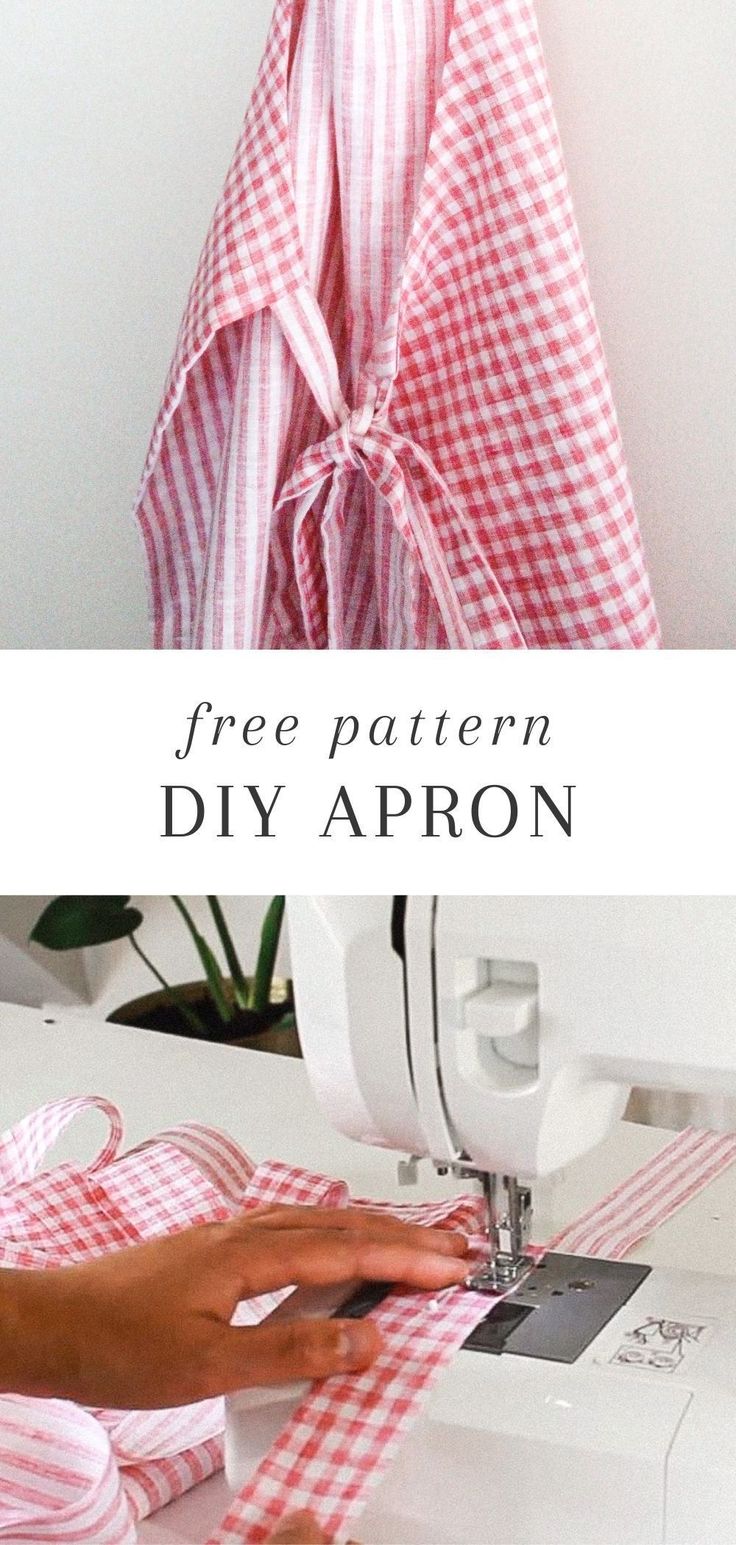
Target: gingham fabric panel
pixel 341 1439
pixel 388 422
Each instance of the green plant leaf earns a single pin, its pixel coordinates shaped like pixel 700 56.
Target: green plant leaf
pixel 270 937
pixel 215 978
pixel 237 975
pixel 78 922
pixel 173 995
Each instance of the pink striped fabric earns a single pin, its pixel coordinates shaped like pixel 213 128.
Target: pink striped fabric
pixel 75 1475
pixel 640 1204
pixel 388 422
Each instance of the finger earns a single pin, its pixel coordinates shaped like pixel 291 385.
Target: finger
pixel 268 1354
pixel 298 1529
pixel 286 1216
pixel 269 1259
pixel 442 1241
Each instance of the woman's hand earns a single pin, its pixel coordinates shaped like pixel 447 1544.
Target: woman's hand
pixel 299 1529
pixel 149 1326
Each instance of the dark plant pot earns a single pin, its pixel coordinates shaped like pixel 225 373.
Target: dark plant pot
pixel 259 1032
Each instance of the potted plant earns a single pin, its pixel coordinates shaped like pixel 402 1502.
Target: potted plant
pixel 223 1005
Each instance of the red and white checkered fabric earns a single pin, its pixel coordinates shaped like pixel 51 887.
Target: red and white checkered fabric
pixel 75 1475
pixel 388 422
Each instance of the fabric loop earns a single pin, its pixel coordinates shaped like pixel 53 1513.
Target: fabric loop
pixel 24 1147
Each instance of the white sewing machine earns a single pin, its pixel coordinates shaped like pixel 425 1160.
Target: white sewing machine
pixel 499 1038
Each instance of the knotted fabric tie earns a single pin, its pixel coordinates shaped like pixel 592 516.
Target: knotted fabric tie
pixel 361 441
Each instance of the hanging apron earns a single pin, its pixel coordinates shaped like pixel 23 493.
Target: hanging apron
pixel 388 423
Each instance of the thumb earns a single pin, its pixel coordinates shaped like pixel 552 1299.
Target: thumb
pixel 298 1529
pixel 297 1349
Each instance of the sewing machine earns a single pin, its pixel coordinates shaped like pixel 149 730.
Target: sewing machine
pixel 499 1038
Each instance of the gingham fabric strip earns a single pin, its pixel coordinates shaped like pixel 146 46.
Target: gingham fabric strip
pixel 388 422
pixel 648 1198
pixel 68 1474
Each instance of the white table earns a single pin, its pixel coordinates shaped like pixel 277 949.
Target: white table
pixel 267 1105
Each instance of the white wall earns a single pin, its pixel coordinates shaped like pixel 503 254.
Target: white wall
pixel 120 117
pixel 116 976
pixel 645 101
pixel 112 974
pixel 28 973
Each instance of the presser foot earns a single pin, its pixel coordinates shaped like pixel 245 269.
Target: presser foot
pixel 499 1275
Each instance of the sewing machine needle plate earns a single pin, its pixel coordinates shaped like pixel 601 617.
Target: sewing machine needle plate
pixel 559 1308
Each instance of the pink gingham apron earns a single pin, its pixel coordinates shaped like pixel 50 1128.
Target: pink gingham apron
pixel 388 422
pixel 76 1475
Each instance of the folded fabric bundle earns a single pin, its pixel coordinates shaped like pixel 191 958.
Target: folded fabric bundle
pixel 75 1475
pixel 388 422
